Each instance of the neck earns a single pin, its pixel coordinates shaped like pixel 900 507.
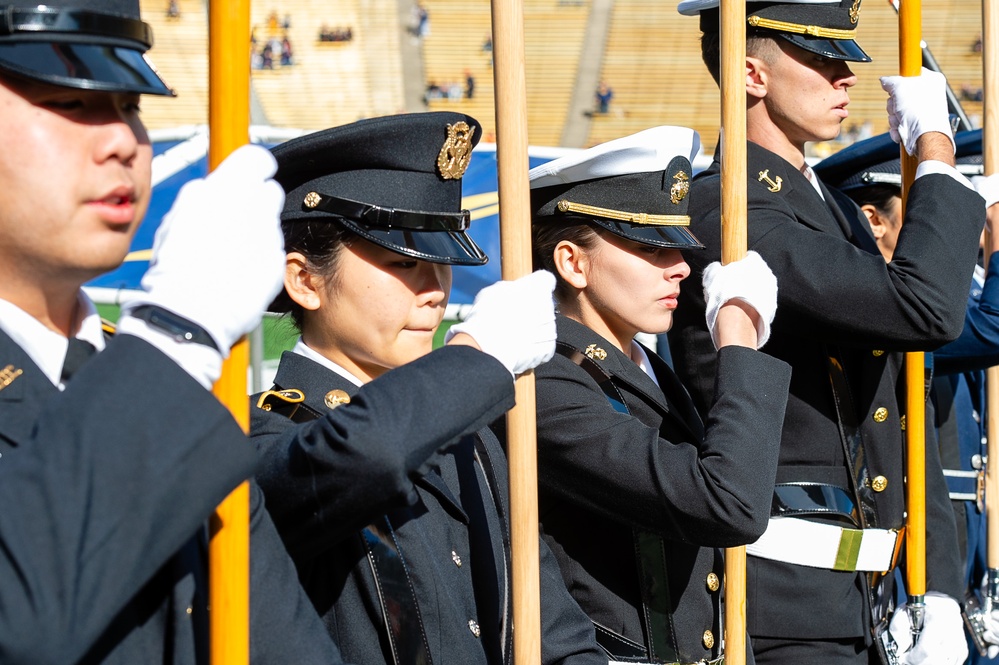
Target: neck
pixel 762 131
pixel 582 311
pixel 56 308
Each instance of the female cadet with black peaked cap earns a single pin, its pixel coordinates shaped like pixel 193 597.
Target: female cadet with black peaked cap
pixel 390 499
pixel 635 491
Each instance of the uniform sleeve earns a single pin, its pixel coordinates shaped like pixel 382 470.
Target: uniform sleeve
pixel 284 625
pixel 978 346
pixel 716 492
pixel 832 291
pixel 121 469
pixel 327 478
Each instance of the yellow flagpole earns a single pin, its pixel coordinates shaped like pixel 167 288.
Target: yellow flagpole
pixel 734 242
pixel 990 153
pixel 229 550
pixel 910 64
pixel 510 79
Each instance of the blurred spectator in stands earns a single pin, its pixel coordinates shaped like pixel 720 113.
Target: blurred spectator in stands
pixel 173 10
pixel 976 47
pixel 286 22
pixel 432 91
pixel 421 21
pixel 604 96
pixel 286 60
pixel 272 23
pixel 487 44
pixel 469 85
pixel 337 34
pixel 267 57
pixel 970 93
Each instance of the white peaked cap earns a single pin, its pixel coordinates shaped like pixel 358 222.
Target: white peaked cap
pixel 646 151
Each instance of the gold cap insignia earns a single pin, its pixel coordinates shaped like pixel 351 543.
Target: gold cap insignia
pixel 8 374
pixel 680 188
pixel 335 398
pixel 594 352
pixel 855 12
pixel 456 151
pixel 312 200
pixel 773 185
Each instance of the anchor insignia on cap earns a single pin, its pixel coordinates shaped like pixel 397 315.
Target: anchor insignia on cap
pixel 855 12
pixel 680 188
pixel 771 185
pixel 456 151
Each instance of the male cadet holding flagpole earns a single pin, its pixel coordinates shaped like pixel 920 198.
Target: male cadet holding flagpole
pixel 816 588
pixel 109 473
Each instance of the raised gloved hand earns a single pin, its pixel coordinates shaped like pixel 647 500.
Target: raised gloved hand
pixel 218 256
pixel 941 642
pixel 514 322
pixel 991 632
pixel 749 280
pixel 916 105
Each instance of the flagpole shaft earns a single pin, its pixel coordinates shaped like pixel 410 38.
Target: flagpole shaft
pixel 732 31
pixel 510 80
pixel 229 557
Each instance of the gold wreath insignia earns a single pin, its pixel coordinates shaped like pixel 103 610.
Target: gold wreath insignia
pixel 680 188
pixel 456 151
pixel 855 12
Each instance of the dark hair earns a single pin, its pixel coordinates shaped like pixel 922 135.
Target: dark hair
pixel 759 44
pixel 320 242
pixel 547 234
pixel 880 196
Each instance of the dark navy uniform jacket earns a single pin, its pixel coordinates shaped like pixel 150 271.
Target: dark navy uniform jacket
pixel 405 447
pixel 106 488
pixel 658 468
pixel 837 295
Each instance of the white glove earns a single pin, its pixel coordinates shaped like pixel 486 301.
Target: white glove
pixel 218 256
pixel 991 632
pixel 218 260
pixel 514 322
pixel 750 280
pixel 988 187
pixel 916 105
pixel 941 641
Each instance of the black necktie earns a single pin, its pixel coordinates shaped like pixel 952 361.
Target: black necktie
pixel 78 353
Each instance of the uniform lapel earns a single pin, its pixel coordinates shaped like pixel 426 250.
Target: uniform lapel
pixel 621 367
pixel 23 386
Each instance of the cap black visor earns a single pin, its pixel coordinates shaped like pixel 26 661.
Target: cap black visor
pixel 450 247
pixel 86 66
pixel 837 49
pixel 673 237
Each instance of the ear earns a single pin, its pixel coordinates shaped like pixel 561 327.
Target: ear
pixel 757 76
pixel 879 225
pixel 572 264
pixel 302 286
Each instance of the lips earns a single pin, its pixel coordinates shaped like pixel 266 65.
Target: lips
pixel 116 206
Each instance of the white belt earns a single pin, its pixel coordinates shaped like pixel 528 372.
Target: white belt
pixel 816 545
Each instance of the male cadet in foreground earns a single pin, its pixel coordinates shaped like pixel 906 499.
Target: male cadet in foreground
pixel 107 478
pixel 844 316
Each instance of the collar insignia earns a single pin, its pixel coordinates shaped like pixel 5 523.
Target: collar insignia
pixel 594 352
pixel 680 188
pixel 335 398
pixel 773 186
pixel 456 151
pixel 8 374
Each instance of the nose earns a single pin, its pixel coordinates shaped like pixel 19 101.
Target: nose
pixel 434 283
pixel 677 268
pixel 121 132
pixel 845 78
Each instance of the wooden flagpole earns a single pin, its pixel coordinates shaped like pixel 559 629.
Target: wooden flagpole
pixel 510 82
pixel 734 199
pixel 229 549
pixel 910 64
pixel 990 154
